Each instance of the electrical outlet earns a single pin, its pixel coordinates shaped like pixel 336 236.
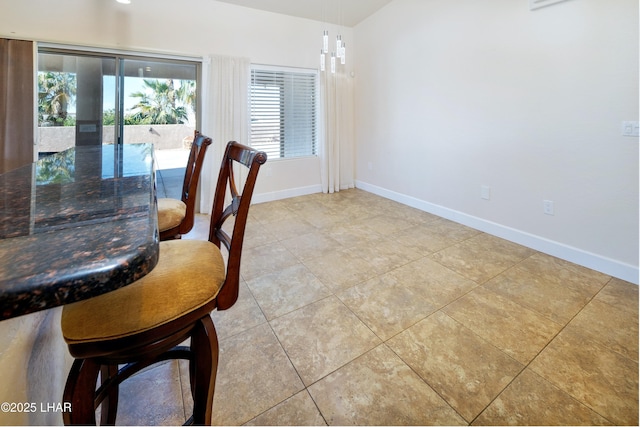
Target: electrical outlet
pixel 485 192
pixel 547 207
pixel 630 128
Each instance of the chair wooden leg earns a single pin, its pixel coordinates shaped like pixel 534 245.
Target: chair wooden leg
pixel 203 369
pixel 80 391
pixel 109 408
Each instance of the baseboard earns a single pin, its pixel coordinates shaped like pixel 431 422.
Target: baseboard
pixel 285 194
pixel 568 253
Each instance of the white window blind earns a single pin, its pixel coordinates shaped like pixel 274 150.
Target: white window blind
pixel 283 112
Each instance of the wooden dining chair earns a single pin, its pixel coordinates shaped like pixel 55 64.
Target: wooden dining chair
pixel 175 217
pixel 147 321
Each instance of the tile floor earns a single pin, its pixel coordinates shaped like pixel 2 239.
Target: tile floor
pixel 356 310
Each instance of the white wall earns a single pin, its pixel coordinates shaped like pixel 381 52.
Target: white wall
pixel 194 28
pixel 454 95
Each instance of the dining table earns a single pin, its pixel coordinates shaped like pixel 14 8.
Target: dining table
pixel 76 224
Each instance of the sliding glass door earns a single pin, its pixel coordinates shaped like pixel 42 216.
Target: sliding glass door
pixel 89 98
pixel 159 105
pixel 72 100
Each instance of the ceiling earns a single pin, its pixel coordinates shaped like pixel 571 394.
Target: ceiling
pixel 341 12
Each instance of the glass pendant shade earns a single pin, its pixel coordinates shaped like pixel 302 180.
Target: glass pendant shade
pixel 338 54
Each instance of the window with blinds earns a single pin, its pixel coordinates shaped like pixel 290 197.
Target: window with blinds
pixel 283 112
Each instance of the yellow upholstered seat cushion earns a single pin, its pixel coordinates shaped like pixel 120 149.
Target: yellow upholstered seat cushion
pixel 171 212
pixel 188 275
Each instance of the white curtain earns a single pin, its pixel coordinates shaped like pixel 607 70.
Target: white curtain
pixel 337 132
pixel 225 115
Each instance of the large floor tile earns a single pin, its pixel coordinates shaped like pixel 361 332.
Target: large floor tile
pixel 350 211
pixel 254 375
pixel 386 306
pixel 311 245
pixel 353 233
pixel 321 337
pixel 288 228
pixel 554 299
pixel 265 259
pixel 531 400
pixel 413 215
pixel 271 212
pixel 555 269
pixel 320 215
pixel 388 224
pixel 286 290
pixel 422 239
pixel 465 370
pixel 612 327
pixel 379 389
pixel 516 330
pixel 482 257
pixel 602 379
pixel 341 269
pixel 256 234
pixel 298 410
pixel 152 397
pixel 244 314
pixel 387 254
pixel 432 281
pixel 451 232
pixel 621 295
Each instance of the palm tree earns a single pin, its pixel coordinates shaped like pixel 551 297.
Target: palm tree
pixel 158 104
pixel 57 168
pixel 56 91
pixel 186 93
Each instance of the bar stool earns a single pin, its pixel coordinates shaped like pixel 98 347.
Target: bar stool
pixel 175 217
pixel 145 322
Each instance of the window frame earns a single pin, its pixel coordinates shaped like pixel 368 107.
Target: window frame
pixel 119 56
pixel 286 110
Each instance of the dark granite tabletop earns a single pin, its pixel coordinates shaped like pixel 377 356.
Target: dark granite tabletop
pixel 75 225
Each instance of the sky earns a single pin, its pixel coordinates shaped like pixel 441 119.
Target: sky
pixel 131 85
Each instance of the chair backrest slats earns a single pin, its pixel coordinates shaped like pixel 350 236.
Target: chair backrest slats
pixel 238 208
pixel 191 178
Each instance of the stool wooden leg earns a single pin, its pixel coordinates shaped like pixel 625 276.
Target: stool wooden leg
pixel 80 391
pixel 203 369
pixel 109 408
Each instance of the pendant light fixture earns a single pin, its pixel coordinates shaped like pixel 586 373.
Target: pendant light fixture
pixel 340 52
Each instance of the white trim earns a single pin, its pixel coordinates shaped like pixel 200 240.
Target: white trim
pixel 256 66
pixel 36 131
pixel 119 52
pixel 568 253
pixel 285 194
